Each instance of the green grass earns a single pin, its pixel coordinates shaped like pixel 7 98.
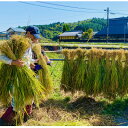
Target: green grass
pixel 94 43
pixel 90 45
pixel 56 72
pixel 117 107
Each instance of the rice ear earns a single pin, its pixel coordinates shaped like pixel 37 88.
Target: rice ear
pixel 44 73
pixel 96 72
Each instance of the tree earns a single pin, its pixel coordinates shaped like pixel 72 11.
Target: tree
pixel 88 34
pixel 66 27
pixel 52 30
pixel 85 35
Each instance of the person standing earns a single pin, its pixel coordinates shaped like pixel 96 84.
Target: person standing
pixel 33 33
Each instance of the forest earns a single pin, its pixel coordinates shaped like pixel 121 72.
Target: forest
pixel 51 31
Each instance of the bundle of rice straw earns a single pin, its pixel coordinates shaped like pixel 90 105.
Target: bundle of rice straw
pixel 44 73
pixel 96 72
pixel 18 82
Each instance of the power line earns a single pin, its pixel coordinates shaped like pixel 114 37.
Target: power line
pixel 121 13
pixel 66 9
pixel 46 6
pixel 57 8
pixel 120 10
pixel 117 13
pixel 81 8
pixel 67 6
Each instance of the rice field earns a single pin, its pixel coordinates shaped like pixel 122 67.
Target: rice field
pixel 68 107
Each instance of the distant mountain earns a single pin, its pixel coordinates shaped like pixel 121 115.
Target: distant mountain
pixel 51 31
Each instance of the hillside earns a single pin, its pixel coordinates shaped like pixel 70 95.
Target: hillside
pixel 51 31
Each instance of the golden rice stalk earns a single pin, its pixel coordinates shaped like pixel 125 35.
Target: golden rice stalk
pixel 121 90
pixel 66 80
pixel 18 83
pixel 107 76
pixel 90 72
pixel 5 48
pixel 44 73
pixel 114 74
pixel 96 72
pixel 125 73
pixel 99 69
pixel 79 69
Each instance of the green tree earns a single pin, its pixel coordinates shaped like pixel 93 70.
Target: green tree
pixel 66 27
pixel 85 35
pixel 51 31
pixel 90 34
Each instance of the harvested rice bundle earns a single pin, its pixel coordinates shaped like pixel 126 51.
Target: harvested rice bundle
pixel 125 76
pixel 44 73
pixel 18 83
pixel 107 76
pixel 87 88
pixel 96 72
pixel 73 69
pixel 99 72
pixel 120 64
pixel 5 83
pixel 91 71
pixel 79 69
pixel 114 75
pixel 67 71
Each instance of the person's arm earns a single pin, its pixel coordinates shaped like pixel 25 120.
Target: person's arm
pixel 9 61
pixel 18 63
pixel 5 59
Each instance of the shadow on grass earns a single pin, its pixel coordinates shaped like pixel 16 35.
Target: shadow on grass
pixel 82 108
pixel 84 105
pixel 86 108
pixel 119 107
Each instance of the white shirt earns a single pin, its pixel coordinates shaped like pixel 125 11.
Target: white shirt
pixel 27 58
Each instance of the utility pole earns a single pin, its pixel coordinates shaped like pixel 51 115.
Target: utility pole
pixel 107 24
pixel 124 32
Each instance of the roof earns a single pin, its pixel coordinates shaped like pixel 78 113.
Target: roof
pixel 3 33
pixel 71 33
pixel 113 30
pixel 17 29
pixel 116 26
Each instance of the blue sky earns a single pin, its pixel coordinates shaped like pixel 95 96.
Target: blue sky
pixel 14 13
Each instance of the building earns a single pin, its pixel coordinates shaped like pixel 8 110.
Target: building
pixel 70 36
pixel 118 29
pixel 3 35
pixel 13 31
